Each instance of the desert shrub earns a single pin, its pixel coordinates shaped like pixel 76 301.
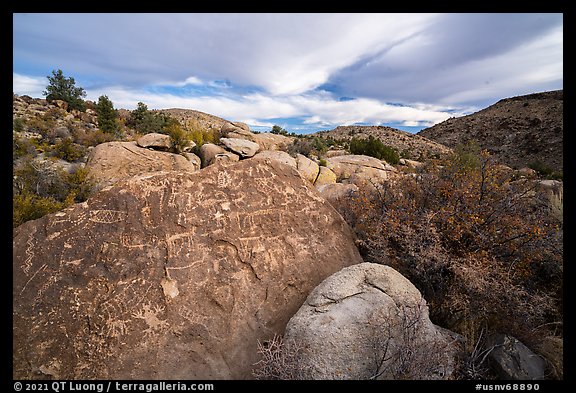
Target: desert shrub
pixel 279 361
pixel 374 148
pixel 545 171
pixel 18 124
pixel 179 137
pixel 322 162
pixel 39 188
pixel 22 147
pixel 481 252
pixel 28 206
pixel 68 150
pixel 41 125
pixel 200 135
pixel 90 137
pixel 309 146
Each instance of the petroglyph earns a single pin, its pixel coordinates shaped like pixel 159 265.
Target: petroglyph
pixel 150 314
pixel 29 252
pixel 224 179
pixel 107 216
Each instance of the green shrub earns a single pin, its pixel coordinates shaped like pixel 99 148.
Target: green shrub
pixel 28 206
pixel 22 147
pixel 322 162
pixel 374 148
pixel 18 124
pixel 68 150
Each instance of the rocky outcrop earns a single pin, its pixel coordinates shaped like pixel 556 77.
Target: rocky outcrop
pixel 171 275
pixel 359 169
pixel 211 153
pixel 236 130
pixel 513 360
pixel 112 161
pixel 242 147
pixel 155 141
pixel 367 321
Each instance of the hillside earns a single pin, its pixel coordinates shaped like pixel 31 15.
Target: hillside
pixel 412 146
pixel 190 116
pixel 518 131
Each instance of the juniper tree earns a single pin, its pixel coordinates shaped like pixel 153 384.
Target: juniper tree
pixel 65 89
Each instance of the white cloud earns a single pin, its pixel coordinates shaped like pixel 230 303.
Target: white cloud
pixel 28 85
pixel 320 110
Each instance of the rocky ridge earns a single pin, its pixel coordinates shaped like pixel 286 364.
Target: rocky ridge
pixel 414 146
pixel 518 131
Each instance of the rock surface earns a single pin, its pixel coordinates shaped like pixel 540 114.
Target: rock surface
pixel 307 168
pixel 112 161
pixel 155 140
pixel 279 156
pixel 325 176
pixel 269 141
pixel 171 275
pixel 333 192
pixel 361 315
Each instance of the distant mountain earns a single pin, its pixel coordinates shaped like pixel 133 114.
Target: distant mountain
pixel 414 146
pixel 518 130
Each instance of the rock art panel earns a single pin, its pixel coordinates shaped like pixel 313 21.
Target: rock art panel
pixel 171 275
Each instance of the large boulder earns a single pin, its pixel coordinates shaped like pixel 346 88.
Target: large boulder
pixel 360 169
pixel 155 141
pixel 242 147
pixel 307 168
pixel 367 321
pixel 236 130
pixel 553 193
pixel 111 161
pixel 171 275
pixel 211 153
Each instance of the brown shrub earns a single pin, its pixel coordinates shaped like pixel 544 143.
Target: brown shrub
pixel 482 253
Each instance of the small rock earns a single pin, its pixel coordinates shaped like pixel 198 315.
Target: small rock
pixel 156 141
pixel 243 147
pixel 514 360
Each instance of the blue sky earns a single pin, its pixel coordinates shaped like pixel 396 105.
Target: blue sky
pixel 304 72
